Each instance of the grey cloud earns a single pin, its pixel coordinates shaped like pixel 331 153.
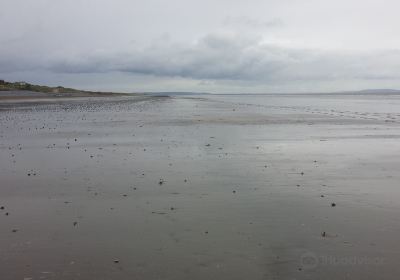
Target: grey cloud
pixel 219 57
pixel 228 57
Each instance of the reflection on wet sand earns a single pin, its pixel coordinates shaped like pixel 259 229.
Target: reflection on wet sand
pixel 199 188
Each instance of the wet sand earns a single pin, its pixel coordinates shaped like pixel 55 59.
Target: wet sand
pixel 206 187
pixel 33 96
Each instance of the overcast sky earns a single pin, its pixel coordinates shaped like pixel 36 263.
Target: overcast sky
pixel 202 45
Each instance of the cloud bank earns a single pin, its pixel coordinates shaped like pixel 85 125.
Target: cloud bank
pixel 231 57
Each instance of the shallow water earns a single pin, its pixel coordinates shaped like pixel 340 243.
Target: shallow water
pixel 206 187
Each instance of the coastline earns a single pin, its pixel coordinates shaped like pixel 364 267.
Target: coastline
pixel 25 94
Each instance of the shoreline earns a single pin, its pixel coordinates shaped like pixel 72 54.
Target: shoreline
pixel 18 95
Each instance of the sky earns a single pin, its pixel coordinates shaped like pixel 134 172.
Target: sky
pixel 217 46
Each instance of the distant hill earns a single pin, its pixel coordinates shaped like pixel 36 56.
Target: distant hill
pixel 63 91
pixel 366 92
pixel 378 91
pixel 9 86
pixel 55 91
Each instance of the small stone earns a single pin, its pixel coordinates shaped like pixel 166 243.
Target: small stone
pixel 116 261
pixel 333 204
pixel 2 207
